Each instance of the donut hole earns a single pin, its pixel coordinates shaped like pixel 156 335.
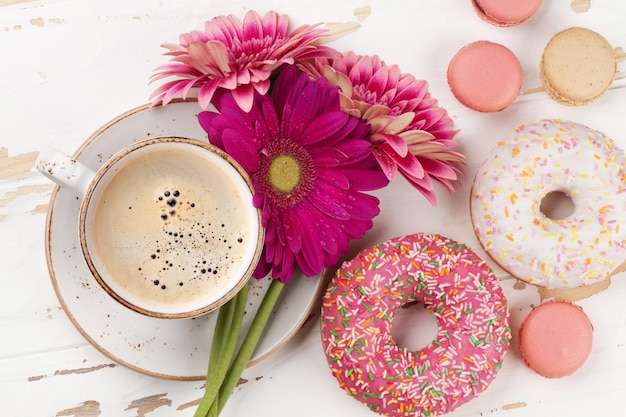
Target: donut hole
pixel 414 326
pixel 557 205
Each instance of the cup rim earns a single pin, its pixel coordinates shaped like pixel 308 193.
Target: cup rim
pixel 84 210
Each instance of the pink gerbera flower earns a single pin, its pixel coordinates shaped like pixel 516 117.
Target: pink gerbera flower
pixel 309 162
pixel 236 56
pixel 410 133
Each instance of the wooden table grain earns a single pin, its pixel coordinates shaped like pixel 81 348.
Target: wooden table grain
pixel 69 66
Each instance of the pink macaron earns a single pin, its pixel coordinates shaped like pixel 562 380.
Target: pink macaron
pixel 485 76
pixel 506 12
pixel 555 339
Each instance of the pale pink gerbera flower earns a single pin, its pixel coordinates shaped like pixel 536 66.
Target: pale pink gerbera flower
pixel 237 56
pixel 309 163
pixel 410 133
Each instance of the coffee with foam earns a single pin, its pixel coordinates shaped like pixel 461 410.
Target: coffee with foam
pixel 170 227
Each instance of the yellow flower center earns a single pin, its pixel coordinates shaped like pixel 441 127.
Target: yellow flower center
pixel 285 173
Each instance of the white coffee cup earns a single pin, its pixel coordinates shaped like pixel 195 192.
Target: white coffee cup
pixel 167 225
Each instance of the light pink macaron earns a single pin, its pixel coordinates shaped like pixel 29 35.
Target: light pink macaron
pixel 506 12
pixel 485 76
pixel 555 339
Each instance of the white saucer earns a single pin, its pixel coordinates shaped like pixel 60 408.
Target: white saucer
pixel 172 349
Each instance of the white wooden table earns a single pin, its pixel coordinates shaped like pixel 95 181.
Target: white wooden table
pixel 69 66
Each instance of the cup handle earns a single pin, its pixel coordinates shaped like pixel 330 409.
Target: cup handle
pixel 64 170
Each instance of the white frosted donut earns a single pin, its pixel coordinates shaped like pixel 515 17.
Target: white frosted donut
pixel 553 155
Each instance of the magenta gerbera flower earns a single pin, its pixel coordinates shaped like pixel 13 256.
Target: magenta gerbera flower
pixel 309 162
pixel 236 56
pixel 410 133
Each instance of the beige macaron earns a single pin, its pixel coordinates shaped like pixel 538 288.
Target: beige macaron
pixel 577 66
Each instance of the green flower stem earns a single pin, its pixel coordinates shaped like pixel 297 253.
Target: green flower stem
pixel 222 326
pixel 225 338
pixel 250 342
pixel 213 410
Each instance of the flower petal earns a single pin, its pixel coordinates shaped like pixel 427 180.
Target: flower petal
pixel 412 137
pixel 438 169
pixel 340 205
pixel 275 25
pixel 388 166
pixel 396 143
pixel 310 257
pixel 408 165
pixel 209 55
pixel 205 95
pixel 237 145
pixel 208 121
pixel 365 180
pixel 263 267
pixel 229 81
pixel 356 149
pixel 244 96
pixel 325 198
pixel 356 228
pixel 252 26
pixel 399 123
pixel 293 230
pixel 335 177
pixel 286 267
pixel 378 81
pixel 324 126
pixel 327 157
pixel 305 109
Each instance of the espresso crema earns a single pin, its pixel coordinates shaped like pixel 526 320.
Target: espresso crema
pixel 171 227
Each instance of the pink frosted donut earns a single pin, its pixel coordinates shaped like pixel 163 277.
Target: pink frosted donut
pixel 458 288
